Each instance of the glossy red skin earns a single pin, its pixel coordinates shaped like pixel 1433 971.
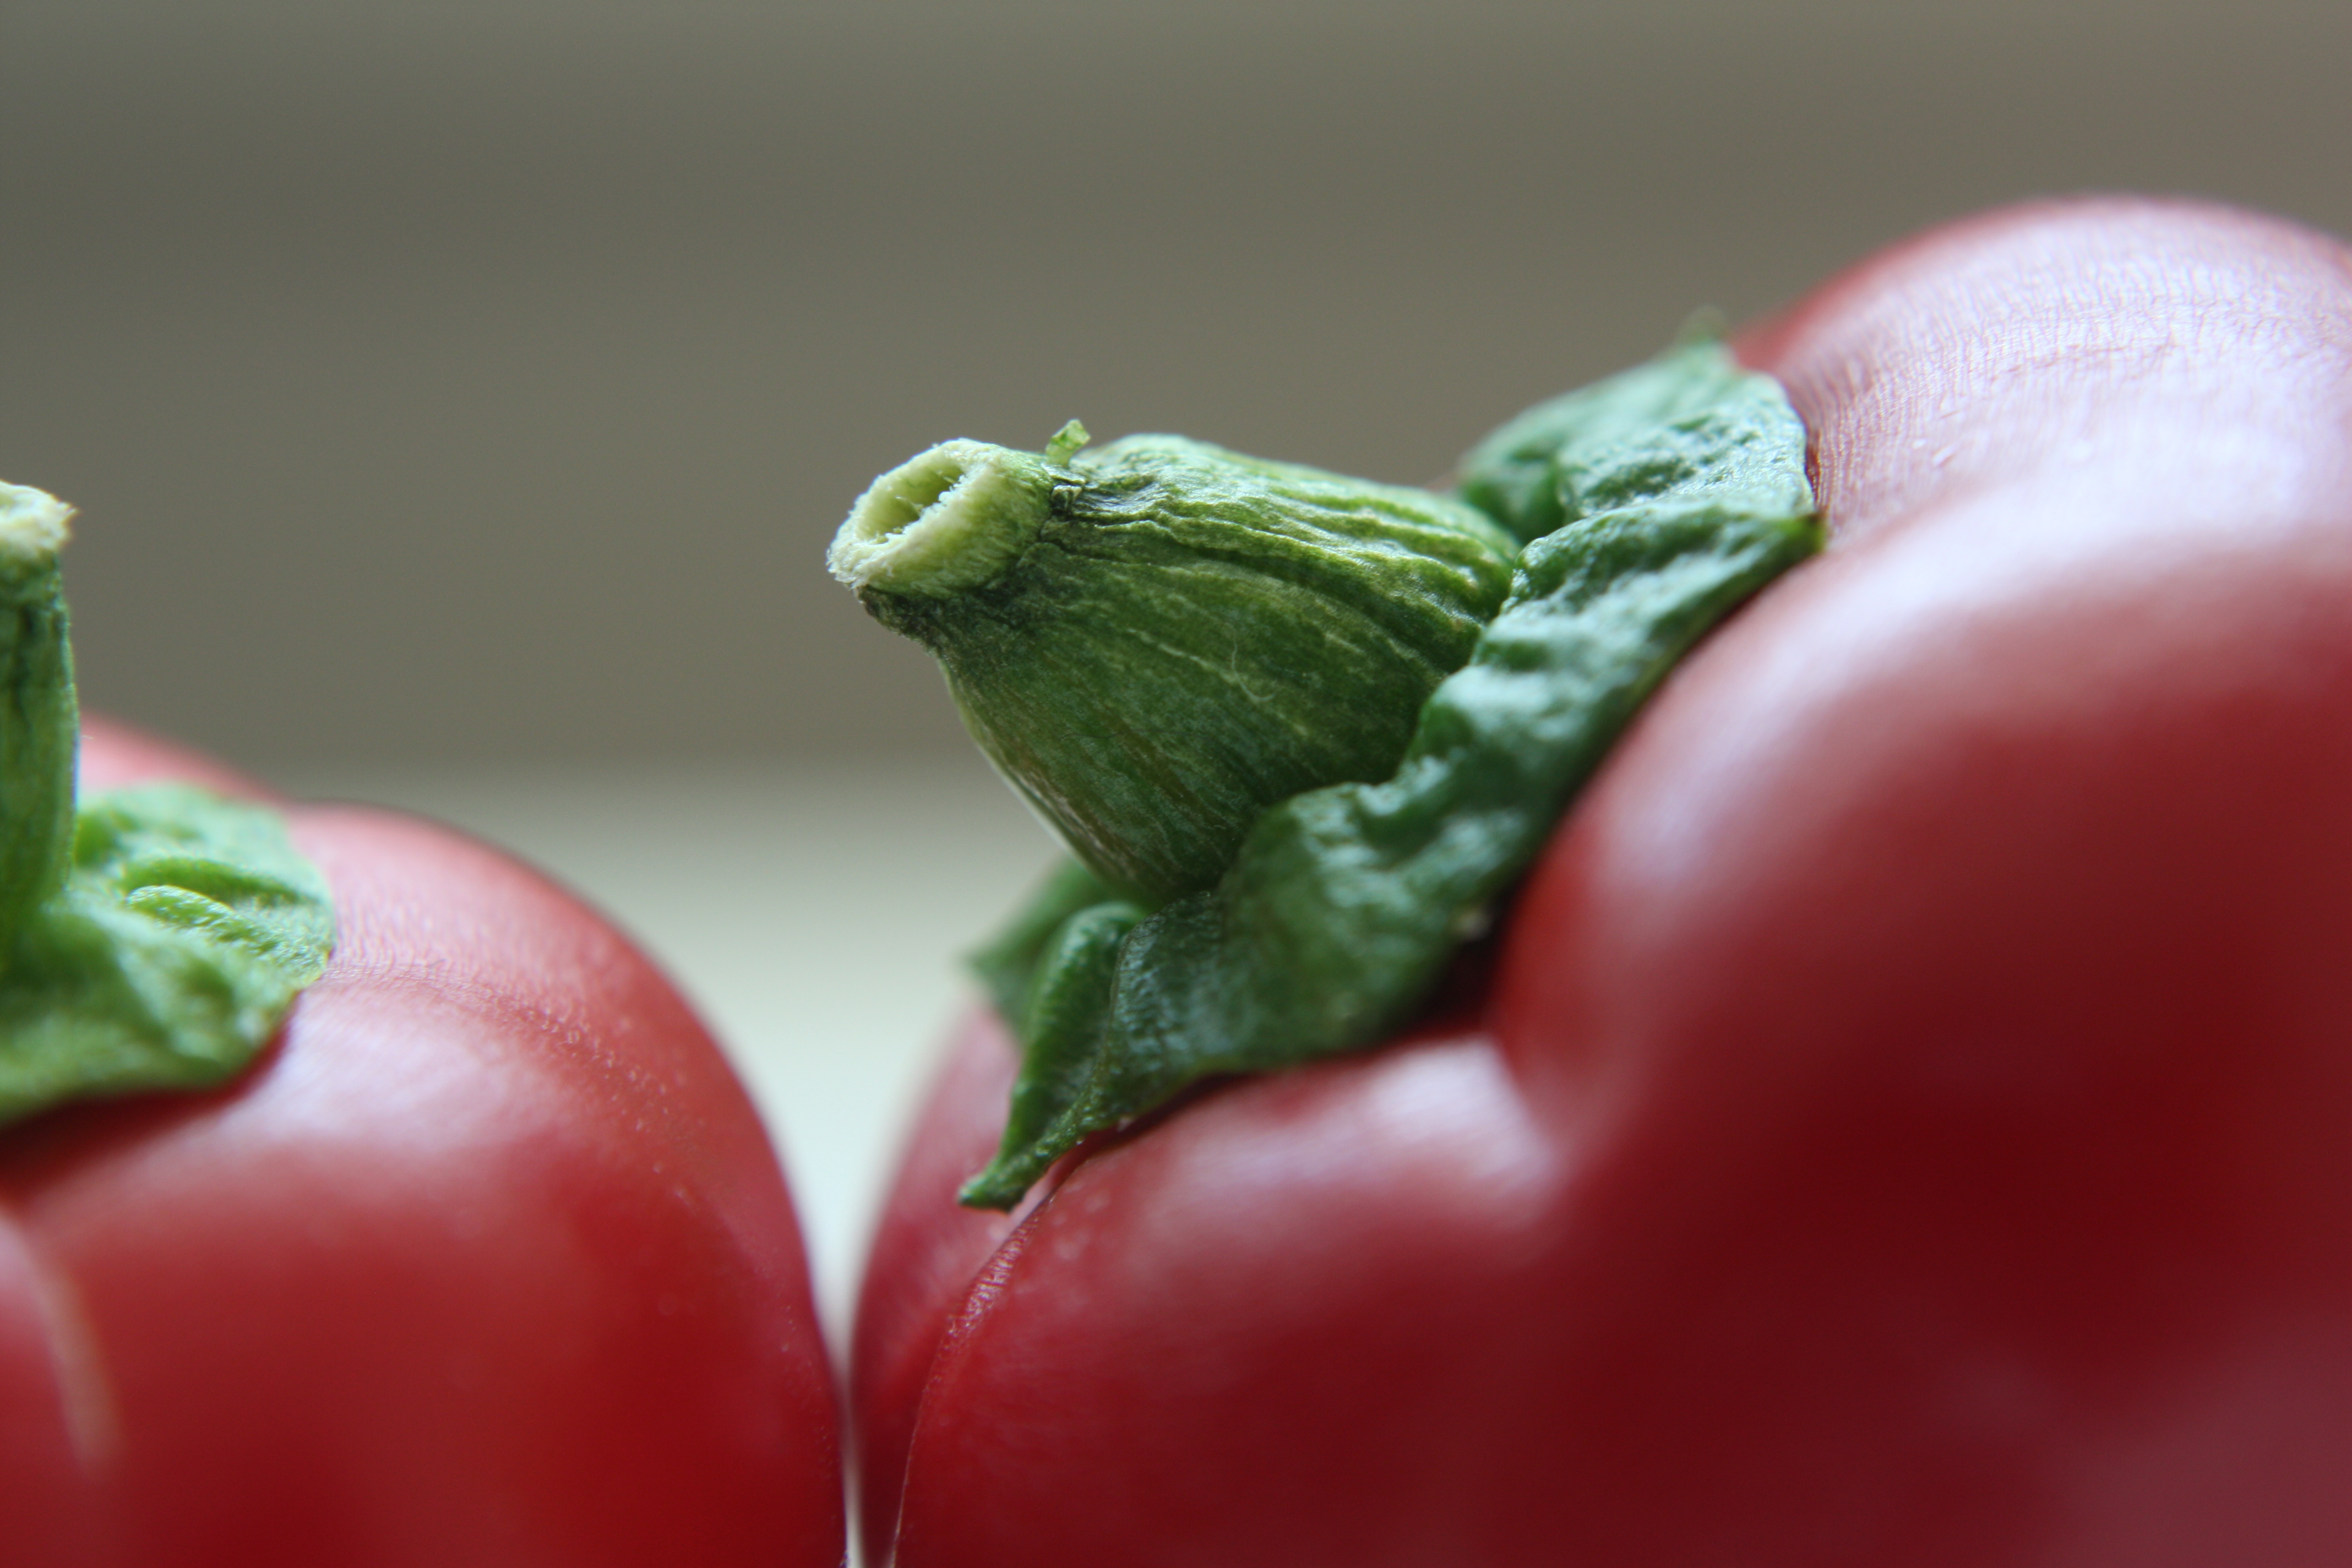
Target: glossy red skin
pixel 488 1262
pixel 1911 1119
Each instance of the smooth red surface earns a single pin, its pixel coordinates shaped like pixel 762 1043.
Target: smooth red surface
pixel 488 1263
pixel 1911 1122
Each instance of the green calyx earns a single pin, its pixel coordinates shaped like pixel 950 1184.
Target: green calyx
pixel 155 937
pixel 1632 516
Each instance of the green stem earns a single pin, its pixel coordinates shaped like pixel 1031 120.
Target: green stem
pixel 1157 640
pixel 39 724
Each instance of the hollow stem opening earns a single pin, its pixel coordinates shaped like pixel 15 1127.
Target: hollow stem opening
pixel 944 521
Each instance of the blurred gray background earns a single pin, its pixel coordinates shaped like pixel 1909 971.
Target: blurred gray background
pixel 481 381
pixel 459 393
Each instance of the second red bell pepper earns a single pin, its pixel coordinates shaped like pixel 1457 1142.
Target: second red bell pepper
pixel 1908 1119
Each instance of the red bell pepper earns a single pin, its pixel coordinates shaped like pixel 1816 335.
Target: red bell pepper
pixel 485 1261
pixel 1907 1116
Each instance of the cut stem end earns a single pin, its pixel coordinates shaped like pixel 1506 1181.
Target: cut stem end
pixel 34 526
pixel 944 521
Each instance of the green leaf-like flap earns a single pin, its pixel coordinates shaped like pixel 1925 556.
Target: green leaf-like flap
pixel 186 926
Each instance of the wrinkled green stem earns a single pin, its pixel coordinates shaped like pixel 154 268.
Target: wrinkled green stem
pixel 1154 641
